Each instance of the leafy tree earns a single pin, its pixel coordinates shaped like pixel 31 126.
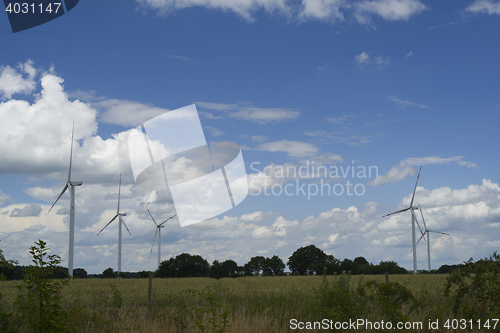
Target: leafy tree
pixel 184 265
pixel 308 260
pixel 255 265
pixel 122 275
pixel 7 268
pixel 348 265
pixel 39 302
pixel 80 273
pixel 216 270
pixel 109 273
pixel 391 267
pixel 231 268
pixel 143 274
pixel 275 265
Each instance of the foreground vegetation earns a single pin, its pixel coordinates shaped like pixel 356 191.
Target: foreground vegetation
pixel 251 304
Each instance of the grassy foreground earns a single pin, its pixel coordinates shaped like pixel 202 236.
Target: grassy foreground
pixel 254 304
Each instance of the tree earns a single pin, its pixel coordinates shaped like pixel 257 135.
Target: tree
pixel 80 273
pixel 216 270
pixel 347 265
pixel 7 268
pixel 109 273
pixel 143 274
pixel 308 260
pixel 231 268
pixel 275 265
pixel 184 265
pixel 255 265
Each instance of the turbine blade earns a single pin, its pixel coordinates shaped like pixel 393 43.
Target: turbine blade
pixel 422 217
pixel 399 211
pixel 119 188
pixel 60 195
pixel 151 215
pixel 121 220
pixel 71 153
pixel 415 189
pixel 419 239
pixel 154 239
pixel 167 220
pixel 439 232
pixel 114 218
pixel 417 222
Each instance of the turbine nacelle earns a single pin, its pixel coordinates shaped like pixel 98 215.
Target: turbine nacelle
pixel 122 214
pixel 76 183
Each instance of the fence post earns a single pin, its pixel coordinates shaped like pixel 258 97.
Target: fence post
pixel 150 293
pixel 386 277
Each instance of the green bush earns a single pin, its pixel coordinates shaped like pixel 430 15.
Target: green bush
pixel 39 304
pixel 390 297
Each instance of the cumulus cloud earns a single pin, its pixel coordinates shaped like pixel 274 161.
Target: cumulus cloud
pixel 292 148
pixel 28 210
pixel 4 198
pixel 390 10
pixel 14 81
pixel 325 10
pixel 484 7
pixel 405 168
pixel 363 58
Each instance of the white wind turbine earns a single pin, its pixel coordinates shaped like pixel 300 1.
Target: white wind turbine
pixel 158 231
pixel 71 184
pixel 428 238
pixel 120 219
pixel 413 219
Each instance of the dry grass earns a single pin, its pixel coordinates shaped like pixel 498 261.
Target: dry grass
pixel 258 304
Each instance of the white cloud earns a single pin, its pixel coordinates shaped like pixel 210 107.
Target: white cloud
pixel 256 217
pixel 245 112
pixel 179 57
pixel 127 113
pixel 484 7
pixel 404 168
pixel 391 10
pixel 325 10
pixel 14 82
pixel 244 8
pixel 404 104
pixel 363 58
pixel 31 209
pixel 292 148
pixel 331 11
pixel 214 131
pixel 409 54
pixel 4 198
pixel 342 137
pixel 259 138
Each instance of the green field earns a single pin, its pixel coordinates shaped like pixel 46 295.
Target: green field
pixel 256 304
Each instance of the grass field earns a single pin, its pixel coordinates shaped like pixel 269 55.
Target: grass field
pixel 256 304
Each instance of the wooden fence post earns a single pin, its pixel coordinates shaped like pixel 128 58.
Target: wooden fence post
pixel 386 277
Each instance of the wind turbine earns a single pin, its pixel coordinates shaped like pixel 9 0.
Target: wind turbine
pixel 428 238
pixel 119 215
pixel 158 231
pixel 71 184
pixel 413 219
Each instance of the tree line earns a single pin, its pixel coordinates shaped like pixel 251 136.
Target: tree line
pixel 308 260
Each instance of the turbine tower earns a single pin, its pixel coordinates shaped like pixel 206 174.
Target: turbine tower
pixel 428 238
pixel 120 219
pixel 158 231
pixel 413 219
pixel 71 184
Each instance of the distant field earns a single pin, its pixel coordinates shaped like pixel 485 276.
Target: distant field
pixel 257 304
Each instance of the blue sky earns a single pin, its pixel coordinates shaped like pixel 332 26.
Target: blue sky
pixel 388 83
